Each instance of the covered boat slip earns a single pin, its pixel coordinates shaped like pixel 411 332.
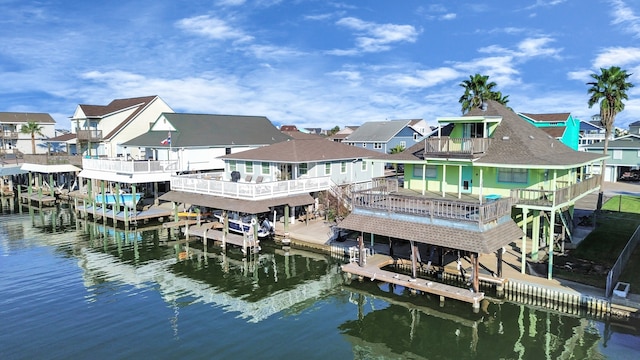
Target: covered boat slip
pixel 206 232
pixel 446 237
pixel 243 206
pixel 128 216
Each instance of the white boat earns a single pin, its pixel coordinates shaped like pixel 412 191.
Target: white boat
pixel 244 224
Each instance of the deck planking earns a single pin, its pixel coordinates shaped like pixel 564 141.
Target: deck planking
pixel 133 215
pixel 373 270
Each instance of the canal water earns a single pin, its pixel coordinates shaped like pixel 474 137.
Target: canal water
pixel 72 289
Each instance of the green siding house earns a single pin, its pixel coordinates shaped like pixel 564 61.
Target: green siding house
pixel 561 126
pixel 623 156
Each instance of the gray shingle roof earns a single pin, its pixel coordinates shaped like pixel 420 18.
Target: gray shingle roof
pixel 304 150
pixel 449 237
pixel 514 142
pixel 25 117
pixel 381 131
pixel 204 130
pixel 627 142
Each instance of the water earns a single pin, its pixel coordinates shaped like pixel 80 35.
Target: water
pixel 71 289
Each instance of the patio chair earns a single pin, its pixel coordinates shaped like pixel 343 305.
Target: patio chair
pixel 259 179
pixel 248 178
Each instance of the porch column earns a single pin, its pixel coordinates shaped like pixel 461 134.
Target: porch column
pixel 361 254
pixel 535 234
pixel 443 183
pixel 552 232
pixel 499 262
pixel 104 200
pixel 155 194
pixel 424 178
pixel 524 240
pixel 459 181
pixel 286 220
pixel 481 185
pixel 52 189
pixel 413 259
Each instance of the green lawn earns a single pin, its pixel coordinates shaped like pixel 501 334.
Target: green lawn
pixel 604 244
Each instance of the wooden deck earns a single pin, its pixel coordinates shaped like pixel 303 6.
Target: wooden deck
pixel 373 270
pixel 45 200
pixel 212 232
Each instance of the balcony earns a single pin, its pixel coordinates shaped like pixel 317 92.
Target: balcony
pixel 9 135
pixel 555 198
pixel 89 135
pixel 433 208
pixel 455 147
pixel 208 184
pixel 131 167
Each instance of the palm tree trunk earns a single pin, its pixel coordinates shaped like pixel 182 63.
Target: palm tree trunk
pixel 33 143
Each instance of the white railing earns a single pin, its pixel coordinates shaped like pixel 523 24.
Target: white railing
pixel 200 184
pixel 131 166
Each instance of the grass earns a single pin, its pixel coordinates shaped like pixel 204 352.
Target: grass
pixel 616 223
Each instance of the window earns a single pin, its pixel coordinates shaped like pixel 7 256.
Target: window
pixel 343 167
pixel 227 151
pixel 431 172
pixel 265 168
pixel 617 154
pixel 377 145
pixel 638 153
pixel 364 145
pixel 403 144
pixel 233 166
pixel 327 168
pixel 303 168
pixel 513 175
pixel 249 167
pixel 364 165
pixel 416 136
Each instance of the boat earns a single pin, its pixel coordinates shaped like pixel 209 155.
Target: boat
pixel 123 199
pixel 243 224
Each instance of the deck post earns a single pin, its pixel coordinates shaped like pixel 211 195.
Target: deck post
pixel 117 206
pixel 40 190
pixel 552 233
pixel 360 251
pixel 174 206
pixel 225 228
pixel 413 259
pixel 499 261
pixel 155 194
pixel 524 241
pixel 535 235
pixel 52 189
pixel 475 262
pixel 104 201
pixel 29 188
pixel 286 220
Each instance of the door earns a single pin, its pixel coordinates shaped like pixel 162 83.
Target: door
pixel 467 179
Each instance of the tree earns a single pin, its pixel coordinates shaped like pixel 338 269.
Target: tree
pixel 396 150
pixel 32 128
pixel 609 88
pixel 477 89
pixel 334 130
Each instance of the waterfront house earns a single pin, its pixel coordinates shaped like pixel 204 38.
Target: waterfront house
pixel 13 141
pixel 101 130
pixel 468 190
pixel 561 126
pixel 591 132
pixel 382 136
pixel 622 160
pixel 634 128
pixel 343 133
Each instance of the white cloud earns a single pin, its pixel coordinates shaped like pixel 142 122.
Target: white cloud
pixel 623 15
pixel 580 75
pixel 213 28
pixel 449 16
pixel 373 37
pixel 422 78
pixel 617 56
pixel 527 48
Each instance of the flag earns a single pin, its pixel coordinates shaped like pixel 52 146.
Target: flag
pixel 167 141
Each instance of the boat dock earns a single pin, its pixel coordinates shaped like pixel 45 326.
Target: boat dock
pixel 127 217
pixel 373 271
pixel 211 230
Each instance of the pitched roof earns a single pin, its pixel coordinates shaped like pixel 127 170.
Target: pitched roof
pixel 301 135
pixel 625 142
pixel 25 117
pixel 514 142
pixel 554 117
pixel 304 150
pixel 555 131
pixel 101 111
pixel 635 123
pixel 205 130
pixel 62 138
pixel 447 236
pixel 288 128
pixel 381 131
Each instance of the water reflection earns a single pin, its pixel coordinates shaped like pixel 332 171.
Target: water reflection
pixel 376 320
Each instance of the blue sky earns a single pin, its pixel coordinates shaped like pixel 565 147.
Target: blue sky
pixel 313 63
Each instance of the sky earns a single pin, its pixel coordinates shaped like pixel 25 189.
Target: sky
pixel 314 63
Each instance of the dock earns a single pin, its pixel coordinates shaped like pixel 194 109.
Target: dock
pixel 132 216
pixel 373 271
pixel 211 231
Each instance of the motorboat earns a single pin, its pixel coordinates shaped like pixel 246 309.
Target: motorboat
pixel 130 200
pixel 244 224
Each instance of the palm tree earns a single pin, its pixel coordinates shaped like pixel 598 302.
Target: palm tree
pixel 477 89
pixel 609 88
pixel 396 150
pixel 32 128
